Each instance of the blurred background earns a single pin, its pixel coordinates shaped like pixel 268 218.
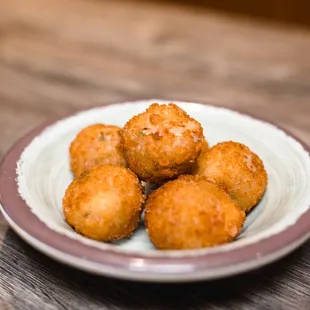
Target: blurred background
pixel 286 11
pixel 59 56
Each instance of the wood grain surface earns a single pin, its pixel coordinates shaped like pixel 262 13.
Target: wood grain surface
pixel 59 56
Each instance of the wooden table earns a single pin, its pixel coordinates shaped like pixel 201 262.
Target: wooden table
pixel 59 56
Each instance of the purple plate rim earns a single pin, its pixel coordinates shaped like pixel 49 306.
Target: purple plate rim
pixel 20 213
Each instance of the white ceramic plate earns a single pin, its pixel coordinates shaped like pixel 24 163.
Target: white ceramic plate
pixel 36 172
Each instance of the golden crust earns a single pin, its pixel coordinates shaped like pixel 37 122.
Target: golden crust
pixel 191 213
pixel 237 169
pixel 105 203
pixel 162 143
pixel 205 146
pixel 96 145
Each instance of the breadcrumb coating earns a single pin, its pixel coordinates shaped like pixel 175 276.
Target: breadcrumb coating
pixel 192 213
pixel 237 169
pixel 104 203
pixel 97 144
pixel 162 143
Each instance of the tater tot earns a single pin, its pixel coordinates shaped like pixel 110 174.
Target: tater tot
pixel 162 143
pixel 237 169
pixel 97 144
pixel 192 213
pixel 105 203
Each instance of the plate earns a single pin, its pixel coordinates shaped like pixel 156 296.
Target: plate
pixel 35 173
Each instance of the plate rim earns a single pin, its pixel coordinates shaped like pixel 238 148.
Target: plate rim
pixel 136 266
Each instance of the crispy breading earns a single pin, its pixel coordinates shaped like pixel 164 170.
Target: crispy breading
pixel 97 144
pixel 104 203
pixel 191 213
pixel 162 143
pixel 237 169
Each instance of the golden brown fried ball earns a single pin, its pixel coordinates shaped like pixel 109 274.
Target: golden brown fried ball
pixel 237 169
pixel 162 143
pixel 105 203
pixel 96 145
pixel 192 213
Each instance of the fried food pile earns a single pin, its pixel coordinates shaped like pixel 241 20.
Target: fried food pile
pixel 203 194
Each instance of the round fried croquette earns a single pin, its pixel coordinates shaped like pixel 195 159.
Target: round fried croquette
pixel 97 144
pixel 104 203
pixel 192 213
pixel 237 169
pixel 162 143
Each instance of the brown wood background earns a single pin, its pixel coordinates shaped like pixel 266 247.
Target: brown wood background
pixel 58 56
pixel 293 12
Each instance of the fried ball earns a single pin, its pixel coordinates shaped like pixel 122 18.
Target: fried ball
pixel 96 145
pixel 237 169
pixel 162 143
pixel 105 203
pixel 191 213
